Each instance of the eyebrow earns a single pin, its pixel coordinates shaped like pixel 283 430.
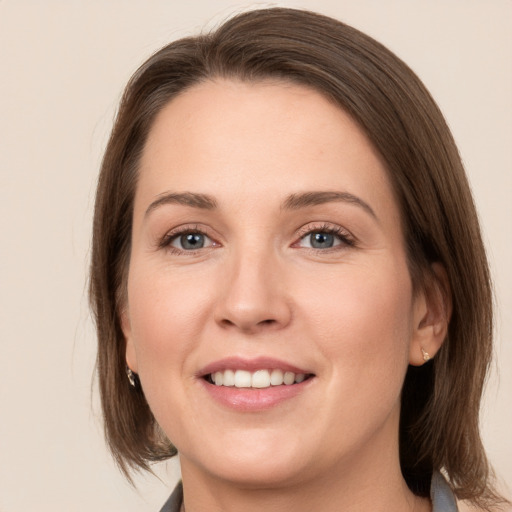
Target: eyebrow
pixel 298 201
pixel 191 199
pixel 292 202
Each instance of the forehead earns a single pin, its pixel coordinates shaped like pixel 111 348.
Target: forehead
pixel 258 138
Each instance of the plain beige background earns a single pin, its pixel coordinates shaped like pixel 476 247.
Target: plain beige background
pixel 63 66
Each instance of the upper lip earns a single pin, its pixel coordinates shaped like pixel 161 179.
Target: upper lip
pixel 251 365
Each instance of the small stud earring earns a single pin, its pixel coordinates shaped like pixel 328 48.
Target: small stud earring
pixel 131 377
pixel 426 355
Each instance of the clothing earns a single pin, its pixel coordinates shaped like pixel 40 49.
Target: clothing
pixel 441 495
pixel 173 504
pixel 443 499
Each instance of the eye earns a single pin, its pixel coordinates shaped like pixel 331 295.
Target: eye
pixel 320 240
pixel 324 238
pixel 186 239
pixel 190 241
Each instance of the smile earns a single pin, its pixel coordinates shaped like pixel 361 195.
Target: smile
pixel 258 379
pixel 254 384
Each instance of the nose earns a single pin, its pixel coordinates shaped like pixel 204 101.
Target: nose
pixel 253 294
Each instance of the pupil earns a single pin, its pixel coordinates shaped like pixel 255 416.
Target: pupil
pixel 192 241
pixel 322 240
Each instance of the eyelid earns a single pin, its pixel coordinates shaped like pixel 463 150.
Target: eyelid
pixel 171 235
pixel 346 237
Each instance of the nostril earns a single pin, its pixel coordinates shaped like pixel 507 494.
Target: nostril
pixel 248 326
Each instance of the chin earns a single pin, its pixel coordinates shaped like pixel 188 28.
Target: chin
pixel 260 461
pixel 261 474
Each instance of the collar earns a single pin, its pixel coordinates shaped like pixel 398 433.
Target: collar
pixel 443 499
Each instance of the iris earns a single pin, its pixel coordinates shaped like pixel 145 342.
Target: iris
pixel 321 240
pixel 191 241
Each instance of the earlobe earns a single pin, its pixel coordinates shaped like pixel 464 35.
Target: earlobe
pixel 131 358
pixel 431 317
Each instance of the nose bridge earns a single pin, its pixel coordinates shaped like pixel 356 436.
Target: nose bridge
pixel 254 294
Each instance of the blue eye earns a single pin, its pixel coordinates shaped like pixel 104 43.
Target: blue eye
pixel 191 241
pixel 321 240
pixel 326 238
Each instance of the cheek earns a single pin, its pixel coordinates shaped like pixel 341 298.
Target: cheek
pixel 362 321
pixel 164 309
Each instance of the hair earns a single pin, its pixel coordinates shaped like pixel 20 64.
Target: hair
pixel 439 425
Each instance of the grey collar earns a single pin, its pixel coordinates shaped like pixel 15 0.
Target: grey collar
pixel 443 499
pixel 441 495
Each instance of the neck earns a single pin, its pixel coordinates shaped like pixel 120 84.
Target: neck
pixel 363 481
pixel 328 494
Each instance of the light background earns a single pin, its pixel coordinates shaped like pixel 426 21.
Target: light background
pixel 63 66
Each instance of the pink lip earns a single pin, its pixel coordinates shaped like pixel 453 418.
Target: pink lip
pixel 251 365
pixel 250 399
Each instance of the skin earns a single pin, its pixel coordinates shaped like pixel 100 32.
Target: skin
pixel 347 313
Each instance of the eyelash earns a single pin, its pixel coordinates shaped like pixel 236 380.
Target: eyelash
pixel 346 238
pixel 169 238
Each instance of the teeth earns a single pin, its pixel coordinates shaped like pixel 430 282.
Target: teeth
pixel 229 378
pixel 289 378
pixel 219 378
pixel 242 379
pixel 276 378
pixel 258 379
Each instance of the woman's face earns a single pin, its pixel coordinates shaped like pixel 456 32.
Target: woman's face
pixel 267 249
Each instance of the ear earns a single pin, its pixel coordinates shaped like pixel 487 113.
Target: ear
pixel 131 356
pixel 431 316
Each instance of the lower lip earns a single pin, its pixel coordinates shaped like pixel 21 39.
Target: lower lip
pixel 254 399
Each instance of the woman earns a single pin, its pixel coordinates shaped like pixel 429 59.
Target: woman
pixel 288 276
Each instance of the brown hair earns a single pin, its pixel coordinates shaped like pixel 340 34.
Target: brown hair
pixel 439 426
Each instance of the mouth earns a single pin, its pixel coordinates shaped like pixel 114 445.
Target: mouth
pixel 258 384
pixel 258 379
